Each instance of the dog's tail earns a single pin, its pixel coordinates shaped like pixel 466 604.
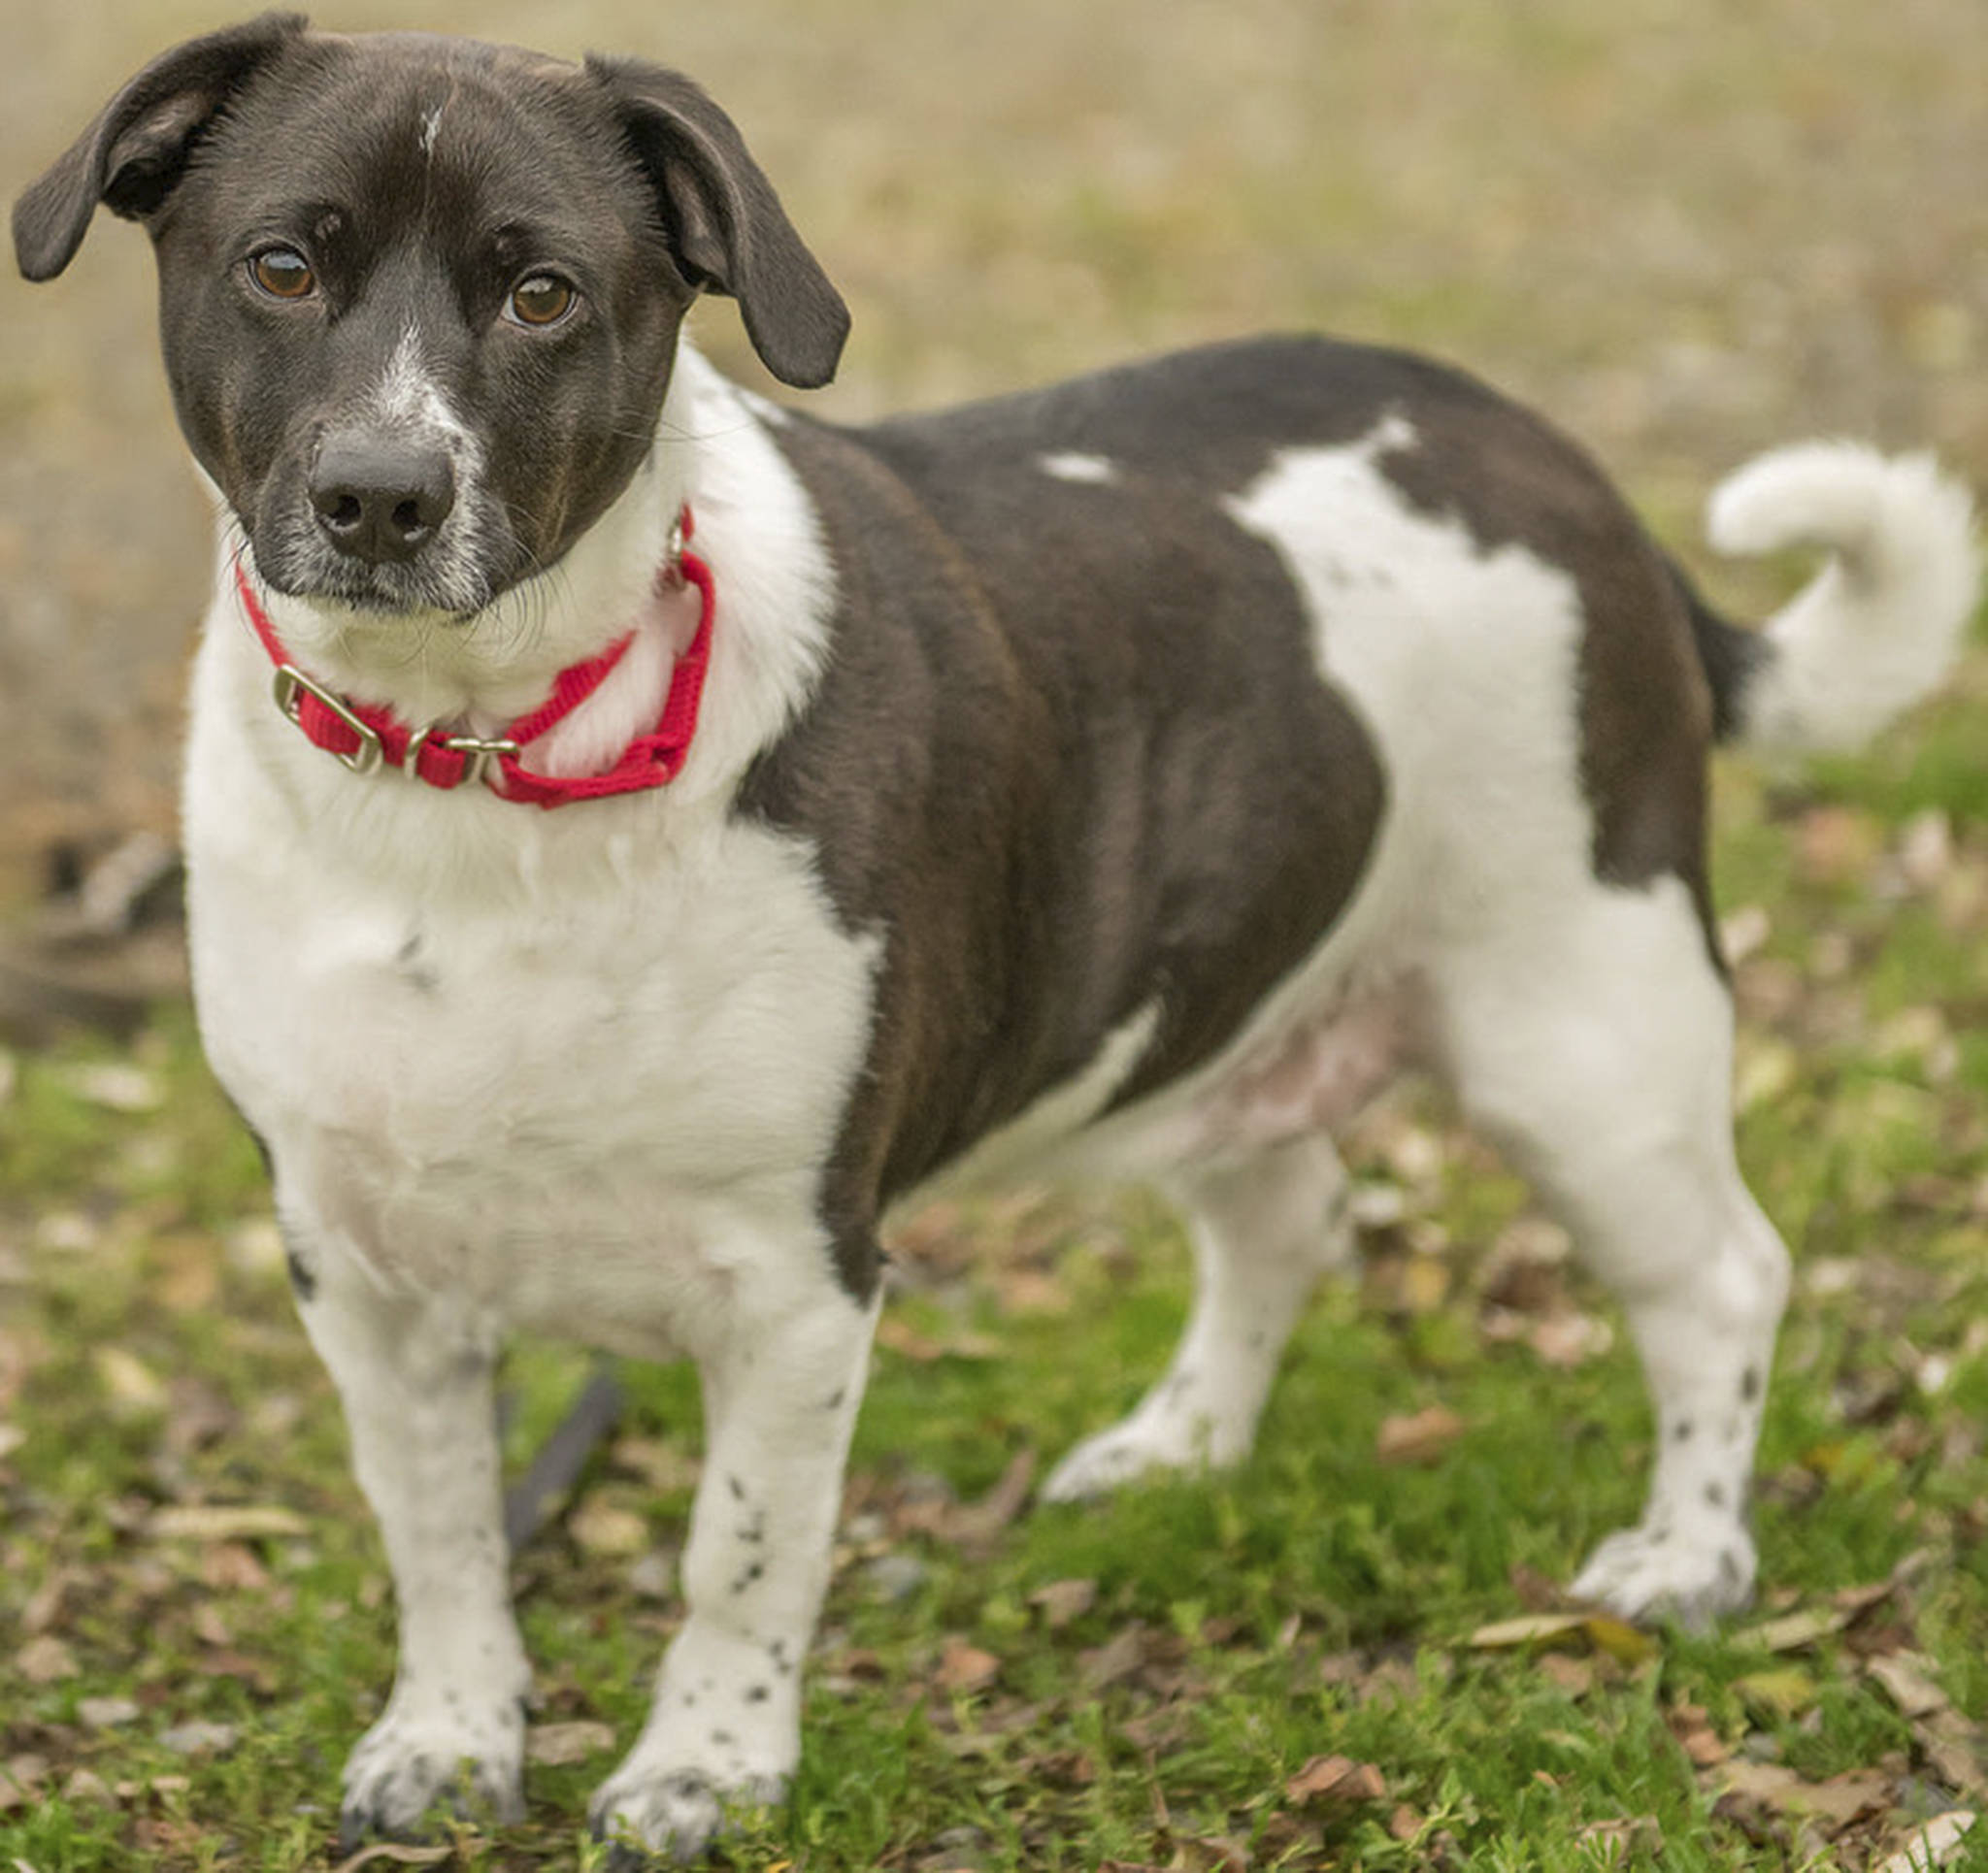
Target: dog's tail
pixel 1876 630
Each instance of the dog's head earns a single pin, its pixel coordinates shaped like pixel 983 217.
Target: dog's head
pixel 420 297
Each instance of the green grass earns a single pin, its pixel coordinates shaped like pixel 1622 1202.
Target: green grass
pixel 1315 1602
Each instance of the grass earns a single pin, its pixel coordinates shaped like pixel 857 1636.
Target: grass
pixel 1224 1632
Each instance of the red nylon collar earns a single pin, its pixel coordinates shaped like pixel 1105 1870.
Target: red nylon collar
pixel 366 738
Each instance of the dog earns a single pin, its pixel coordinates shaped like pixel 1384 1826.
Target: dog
pixel 638 836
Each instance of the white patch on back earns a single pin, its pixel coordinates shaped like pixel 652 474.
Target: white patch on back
pixel 1074 465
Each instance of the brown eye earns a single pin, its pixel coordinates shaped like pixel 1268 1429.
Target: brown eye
pixel 543 299
pixel 283 273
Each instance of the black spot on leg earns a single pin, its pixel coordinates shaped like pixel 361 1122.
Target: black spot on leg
pixel 736 1488
pixel 722 1738
pixel 1729 1566
pixel 778 1653
pixel 303 1276
pixel 836 1398
pixel 1749 1384
pixel 1715 1495
pixel 756 1695
pixel 1681 1433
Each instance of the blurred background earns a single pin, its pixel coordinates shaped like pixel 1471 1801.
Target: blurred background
pixel 1684 228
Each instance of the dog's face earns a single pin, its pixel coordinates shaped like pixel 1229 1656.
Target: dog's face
pixel 419 298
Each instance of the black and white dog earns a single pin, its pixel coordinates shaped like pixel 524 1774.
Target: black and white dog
pixel 637 834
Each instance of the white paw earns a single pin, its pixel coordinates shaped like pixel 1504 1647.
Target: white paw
pixel 672 1814
pixel 1149 1443
pixel 430 1753
pixel 1691 1577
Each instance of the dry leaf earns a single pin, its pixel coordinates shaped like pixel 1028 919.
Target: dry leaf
pixel 1785 1692
pixel 1336 1778
pixel 557 1745
pixel 224 1522
pixel 964 1668
pixel 602 1527
pixel 900 1336
pixel 395 1854
pixel 1118 1659
pixel 1903 1676
pixel 1420 1437
pixel 1064 1600
pixel 43 1661
pixel 1939 1843
pixel 1701 1743
pixel 1796 1632
pixel 1569 1339
pixel 134 1388
pixel 1575 1677
pixel 117 1087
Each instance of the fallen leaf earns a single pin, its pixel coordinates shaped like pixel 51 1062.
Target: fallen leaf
pixel 1902 1675
pixel 106 1713
pixel 86 1786
pixel 43 1661
pixel 1575 1677
pixel 602 1527
pixel 1939 1843
pixel 1064 1600
pixel 1796 1632
pixel 1336 1778
pixel 1786 1693
pixel 117 1087
pixel 396 1856
pixel 1701 1743
pixel 964 1668
pixel 1570 1339
pixel 558 1745
pixel 133 1387
pixel 901 1336
pixel 223 1522
pixel 1841 1800
pixel 1621 1641
pixel 1123 1655
pixel 199 1738
pixel 1418 1437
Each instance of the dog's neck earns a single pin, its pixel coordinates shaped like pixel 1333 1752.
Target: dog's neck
pixel 477 674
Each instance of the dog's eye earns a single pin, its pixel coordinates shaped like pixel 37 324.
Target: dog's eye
pixel 543 299
pixel 283 273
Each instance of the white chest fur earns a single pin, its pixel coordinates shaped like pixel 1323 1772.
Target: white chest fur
pixel 563 1065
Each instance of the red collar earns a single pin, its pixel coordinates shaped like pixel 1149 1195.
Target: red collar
pixel 366 738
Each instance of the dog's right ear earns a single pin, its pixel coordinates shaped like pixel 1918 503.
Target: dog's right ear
pixel 136 150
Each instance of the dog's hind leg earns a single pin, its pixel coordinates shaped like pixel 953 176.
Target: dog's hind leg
pixel 1595 1049
pixel 1263 1230
pixel 782 1385
pixel 416 1378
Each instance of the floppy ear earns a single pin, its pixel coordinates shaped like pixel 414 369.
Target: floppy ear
pixel 725 225
pixel 136 150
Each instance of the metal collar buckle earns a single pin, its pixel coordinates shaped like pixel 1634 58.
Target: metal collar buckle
pixel 290 684
pixel 478 753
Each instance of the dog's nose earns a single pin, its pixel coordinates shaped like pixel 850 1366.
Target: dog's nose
pixel 379 497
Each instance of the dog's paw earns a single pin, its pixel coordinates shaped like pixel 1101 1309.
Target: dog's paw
pixel 654 1816
pixel 417 1759
pixel 1645 1574
pixel 1149 1444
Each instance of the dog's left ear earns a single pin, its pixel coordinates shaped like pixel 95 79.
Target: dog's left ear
pixel 724 222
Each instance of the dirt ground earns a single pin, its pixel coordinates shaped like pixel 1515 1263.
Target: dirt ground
pixel 1687 228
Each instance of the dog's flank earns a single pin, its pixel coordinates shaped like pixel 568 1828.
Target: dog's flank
pixel 1123 781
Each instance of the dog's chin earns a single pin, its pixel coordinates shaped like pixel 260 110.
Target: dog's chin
pixel 453 595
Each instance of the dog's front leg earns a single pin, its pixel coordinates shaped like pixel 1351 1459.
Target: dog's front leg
pixel 780 1392
pixel 415 1376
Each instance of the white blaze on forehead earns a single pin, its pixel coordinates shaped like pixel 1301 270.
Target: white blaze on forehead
pixel 431 124
pixel 1072 466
